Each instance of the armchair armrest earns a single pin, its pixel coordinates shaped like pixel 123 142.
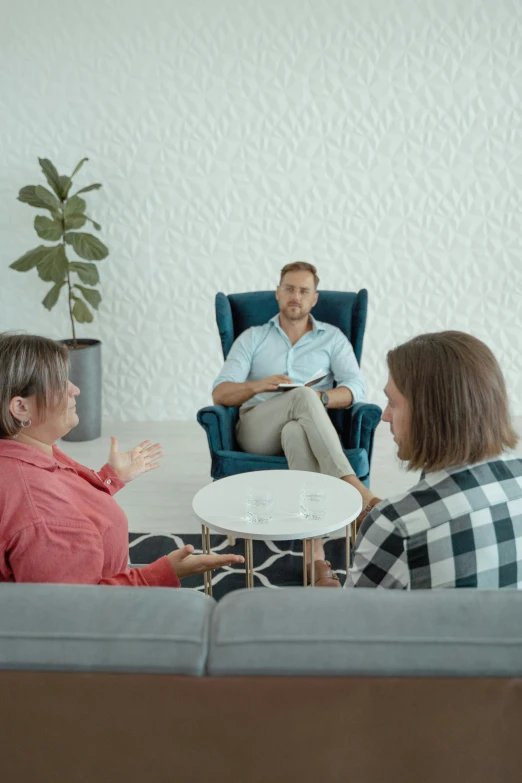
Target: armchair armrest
pixel 219 422
pixel 358 425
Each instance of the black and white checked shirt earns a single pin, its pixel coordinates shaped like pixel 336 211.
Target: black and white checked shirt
pixel 460 527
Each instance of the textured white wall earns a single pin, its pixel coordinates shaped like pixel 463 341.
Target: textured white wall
pixel 381 140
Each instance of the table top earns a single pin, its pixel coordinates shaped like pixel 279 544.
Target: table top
pixel 222 505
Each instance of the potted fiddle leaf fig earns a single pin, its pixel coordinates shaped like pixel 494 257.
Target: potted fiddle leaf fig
pixel 77 276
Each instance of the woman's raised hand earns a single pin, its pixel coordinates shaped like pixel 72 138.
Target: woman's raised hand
pixel 128 465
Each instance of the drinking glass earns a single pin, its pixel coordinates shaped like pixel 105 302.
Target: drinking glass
pixel 312 501
pixel 259 504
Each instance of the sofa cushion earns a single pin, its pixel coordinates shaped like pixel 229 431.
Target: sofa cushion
pixel 227 463
pixel 301 632
pixel 98 628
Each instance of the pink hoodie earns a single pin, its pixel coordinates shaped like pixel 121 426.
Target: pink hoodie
pixel 60 523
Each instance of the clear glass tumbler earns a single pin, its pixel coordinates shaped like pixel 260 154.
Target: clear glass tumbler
pixel 312 501
pixel 259 505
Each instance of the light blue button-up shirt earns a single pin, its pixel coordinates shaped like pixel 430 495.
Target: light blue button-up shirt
pixel 266 350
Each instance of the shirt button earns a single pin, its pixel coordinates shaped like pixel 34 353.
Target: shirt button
pixel 108 481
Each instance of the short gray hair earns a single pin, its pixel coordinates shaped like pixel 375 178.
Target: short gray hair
pixel 30 365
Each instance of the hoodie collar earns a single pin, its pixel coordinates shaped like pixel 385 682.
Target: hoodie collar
pixel 12 449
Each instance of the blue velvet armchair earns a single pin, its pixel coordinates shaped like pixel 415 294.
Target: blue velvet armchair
pixel 356 425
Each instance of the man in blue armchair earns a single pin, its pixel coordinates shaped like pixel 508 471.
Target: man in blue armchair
pixel 293 348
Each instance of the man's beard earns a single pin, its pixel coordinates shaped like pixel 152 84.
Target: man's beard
pixel 295 314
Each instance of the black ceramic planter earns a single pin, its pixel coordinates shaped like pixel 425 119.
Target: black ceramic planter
pixel 86 373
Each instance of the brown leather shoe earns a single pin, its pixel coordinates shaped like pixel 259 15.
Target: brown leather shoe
pixel 324 576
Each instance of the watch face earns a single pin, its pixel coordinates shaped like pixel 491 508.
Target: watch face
pixel 324 398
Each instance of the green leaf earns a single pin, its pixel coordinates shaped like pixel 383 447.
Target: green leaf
pixel 75 221
pixel 65 185
pixel 28 195
pixel 96 186
pixel 91 295
pixel 51 175
pixel 49 201
pixel 81 312
pixel 51 298
pixel 95 224
pixel 51 230
pixel 78 167
pixel 30 259
pixel 87 246
pixel 75 206
pixel 53 267
pixel 88 273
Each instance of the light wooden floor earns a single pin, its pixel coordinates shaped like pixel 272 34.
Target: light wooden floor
pixel 161 501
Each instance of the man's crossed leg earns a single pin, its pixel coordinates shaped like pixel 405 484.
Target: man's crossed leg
pixel 296 424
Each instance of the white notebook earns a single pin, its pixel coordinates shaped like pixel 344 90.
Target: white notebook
pixel 320 376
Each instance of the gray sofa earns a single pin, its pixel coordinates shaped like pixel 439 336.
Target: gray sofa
pixel 110 684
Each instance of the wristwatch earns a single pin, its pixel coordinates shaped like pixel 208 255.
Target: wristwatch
pixel 325 399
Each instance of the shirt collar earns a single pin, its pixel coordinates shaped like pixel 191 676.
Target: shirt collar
pixel 14 450
pixel 437 475
pixel 317 326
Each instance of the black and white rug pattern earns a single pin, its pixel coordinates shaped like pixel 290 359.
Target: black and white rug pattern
pixel 276 563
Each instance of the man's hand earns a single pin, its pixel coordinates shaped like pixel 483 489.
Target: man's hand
pixel 232 394
pixel 184 563
pixel 270 383
pixel 129 465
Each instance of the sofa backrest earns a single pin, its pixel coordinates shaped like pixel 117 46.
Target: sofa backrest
pixel 262 632
pixel 104 629
pixel 297 632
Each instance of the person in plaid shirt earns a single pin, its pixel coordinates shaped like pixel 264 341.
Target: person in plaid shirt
pixel 461 524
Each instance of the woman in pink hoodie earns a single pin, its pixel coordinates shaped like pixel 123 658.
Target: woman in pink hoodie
pixel 59 521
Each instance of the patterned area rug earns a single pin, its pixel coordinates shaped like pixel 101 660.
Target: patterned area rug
pixel 276 563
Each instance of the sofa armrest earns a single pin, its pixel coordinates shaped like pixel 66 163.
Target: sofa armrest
pixel 219 422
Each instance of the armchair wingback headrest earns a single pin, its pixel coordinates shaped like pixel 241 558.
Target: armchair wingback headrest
pixel 237 312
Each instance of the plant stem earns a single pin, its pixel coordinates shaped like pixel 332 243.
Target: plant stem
pixel 75 344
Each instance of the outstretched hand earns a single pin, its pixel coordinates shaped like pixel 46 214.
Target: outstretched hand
pixel 128 465
pixel 184 563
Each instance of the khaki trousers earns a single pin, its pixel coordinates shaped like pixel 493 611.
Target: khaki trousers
pixel 296 424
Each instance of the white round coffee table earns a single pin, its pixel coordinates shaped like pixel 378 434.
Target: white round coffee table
pixel 222 507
